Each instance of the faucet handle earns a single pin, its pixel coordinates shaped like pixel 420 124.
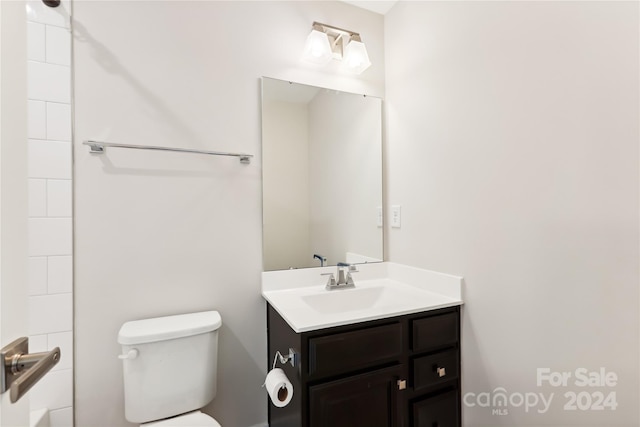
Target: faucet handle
pixel 352 269
pixel 331 282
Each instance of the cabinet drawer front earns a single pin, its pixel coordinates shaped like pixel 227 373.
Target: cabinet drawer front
pixel 434 369
pixel 365 400
pixel 435 331
pixel 348 351
pixel 437 411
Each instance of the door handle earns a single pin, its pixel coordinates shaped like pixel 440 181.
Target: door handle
pixel 20 370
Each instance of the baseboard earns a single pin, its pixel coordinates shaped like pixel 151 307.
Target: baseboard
pixel 265 424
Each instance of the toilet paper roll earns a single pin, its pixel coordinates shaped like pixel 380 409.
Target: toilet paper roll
pixel 279 387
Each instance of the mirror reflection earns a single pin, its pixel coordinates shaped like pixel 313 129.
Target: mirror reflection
pixel 322 176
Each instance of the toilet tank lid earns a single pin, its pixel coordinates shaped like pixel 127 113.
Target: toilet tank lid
pixel 168 327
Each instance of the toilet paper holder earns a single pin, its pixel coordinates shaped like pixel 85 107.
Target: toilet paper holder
pixel 291 357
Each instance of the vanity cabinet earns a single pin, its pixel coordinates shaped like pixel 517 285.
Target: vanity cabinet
pixel 402 371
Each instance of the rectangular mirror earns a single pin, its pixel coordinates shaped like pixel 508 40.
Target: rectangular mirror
pixel 322 176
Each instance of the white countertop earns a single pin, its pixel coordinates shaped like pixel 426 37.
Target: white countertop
pixel 385 290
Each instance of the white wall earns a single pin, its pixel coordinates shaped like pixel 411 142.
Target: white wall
pixel 161 233
pixel 513 149
pixel 285 213
pixel 50 203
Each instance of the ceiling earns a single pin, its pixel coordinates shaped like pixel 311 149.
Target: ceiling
pixel 378 6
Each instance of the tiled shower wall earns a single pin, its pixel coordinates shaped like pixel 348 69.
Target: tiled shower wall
pixel 50 203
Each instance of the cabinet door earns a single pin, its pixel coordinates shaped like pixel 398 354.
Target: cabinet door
pixel 366 400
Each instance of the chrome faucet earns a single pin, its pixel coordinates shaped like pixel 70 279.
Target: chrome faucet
pixel 321 258
pixel 343 281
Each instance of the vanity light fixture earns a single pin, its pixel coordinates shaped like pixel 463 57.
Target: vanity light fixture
pixel 326 42
pixel 356 58
pixel 318 50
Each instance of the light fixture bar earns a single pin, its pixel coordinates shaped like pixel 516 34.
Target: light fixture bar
pixel 338 37
pixel 336 29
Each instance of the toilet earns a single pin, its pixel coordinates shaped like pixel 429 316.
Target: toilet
pixel 170 369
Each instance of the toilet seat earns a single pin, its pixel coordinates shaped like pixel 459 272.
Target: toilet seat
pixel 191 419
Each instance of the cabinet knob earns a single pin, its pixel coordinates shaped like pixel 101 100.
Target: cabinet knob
pixel 402 384
pixel 441 372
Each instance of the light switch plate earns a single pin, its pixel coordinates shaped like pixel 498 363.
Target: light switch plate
pixel 396 216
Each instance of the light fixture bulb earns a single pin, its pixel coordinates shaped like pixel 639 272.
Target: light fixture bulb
pixel 356 59
pixel 318 48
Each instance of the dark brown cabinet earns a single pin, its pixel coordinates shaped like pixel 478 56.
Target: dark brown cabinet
pixel 441 410
pixel 365 400
pixel 402 371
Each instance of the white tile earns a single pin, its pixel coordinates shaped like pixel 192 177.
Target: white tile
pixel 49 159
pixel 37 276
pixel 38 343
pixel 59 197
pixel 64 340
pixel 59 16
pixel 58 121
pixel 37 202
pixel 50 313
pixel 58 45
pixel 60 274
pixel 61 417
pixel 53 391
pixel 37 112
pixel 49 82
pixel 50 236
pixel 36 42
pixel 39 417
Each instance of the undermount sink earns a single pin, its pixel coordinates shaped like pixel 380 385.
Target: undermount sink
pixel 344 300
pixel 357 299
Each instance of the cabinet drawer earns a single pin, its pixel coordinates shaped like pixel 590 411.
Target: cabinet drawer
pixel 349 351
pixel 435 331
pixel 438 411
pixel 434 369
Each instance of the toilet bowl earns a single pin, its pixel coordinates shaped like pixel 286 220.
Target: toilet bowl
pixel 170 369
pixel 192 419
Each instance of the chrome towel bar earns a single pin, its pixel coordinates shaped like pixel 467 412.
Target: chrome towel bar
pixel 98 147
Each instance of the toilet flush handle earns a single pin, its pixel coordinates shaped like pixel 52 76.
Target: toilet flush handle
pixel 131 354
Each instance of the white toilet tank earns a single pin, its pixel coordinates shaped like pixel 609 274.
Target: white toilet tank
pixel 169 364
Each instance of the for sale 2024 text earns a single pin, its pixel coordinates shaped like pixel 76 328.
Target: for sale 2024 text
pixel 595 392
